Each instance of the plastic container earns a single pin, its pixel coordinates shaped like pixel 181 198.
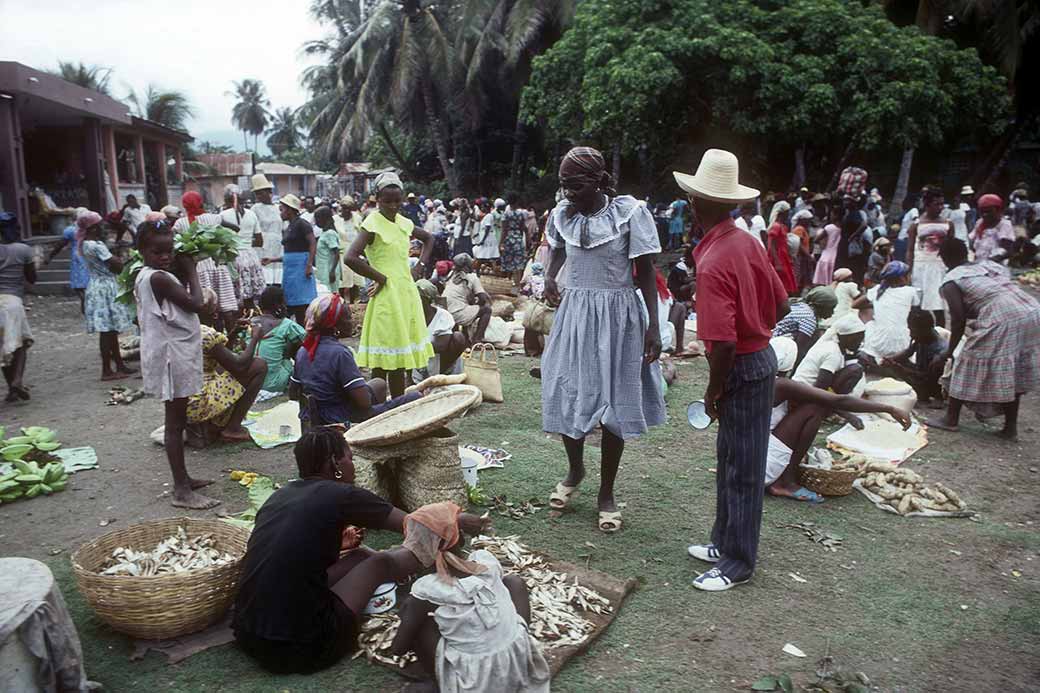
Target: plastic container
pixel 383 599
pixel 697 415
pixel 469 466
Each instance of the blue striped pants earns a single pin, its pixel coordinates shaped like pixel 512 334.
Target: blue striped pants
pixel 742 444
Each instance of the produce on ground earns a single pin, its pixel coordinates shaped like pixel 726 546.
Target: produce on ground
pixel 243 477
pixel 199 241
pixel 29 479
pixel 260 489
pixel 177 553
pixel 1030 278
pixel 905 491
pixel 34 445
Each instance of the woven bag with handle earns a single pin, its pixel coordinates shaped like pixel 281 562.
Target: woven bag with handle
pixel 483 372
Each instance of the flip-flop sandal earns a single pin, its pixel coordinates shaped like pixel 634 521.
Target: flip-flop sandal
pixel 559 498
pixel 609 522
pixel 936 423
pixel 804 494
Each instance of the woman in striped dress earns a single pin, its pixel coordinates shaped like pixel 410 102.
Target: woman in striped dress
pixel 1000 361
pixel 211 275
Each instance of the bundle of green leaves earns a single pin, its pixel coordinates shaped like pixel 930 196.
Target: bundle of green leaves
pixel 198 240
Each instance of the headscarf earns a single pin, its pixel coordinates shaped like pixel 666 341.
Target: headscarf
pixel 893 270
pixel 84 222
pixel 990 200
pixel 192 203
pixel 848 324
pixel 780 206
pixel 537 269
pixel 463 266
pixel 786 351
pixel 387 179
pixel 323 313
pixel 803 214
pixel 431 532
pixel 427 290
pixel 820 298
pixel 842 274
pixel 587 165
pixel 443 268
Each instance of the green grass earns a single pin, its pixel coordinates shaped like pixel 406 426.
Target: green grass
pixel 888 603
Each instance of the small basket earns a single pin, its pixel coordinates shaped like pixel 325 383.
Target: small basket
pixel 827 482
pixel 160 607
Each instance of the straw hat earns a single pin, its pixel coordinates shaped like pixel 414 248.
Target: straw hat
pixel 290 201
pixel 260 182
pixel 967 190
pixel 716 179
pixel 347 201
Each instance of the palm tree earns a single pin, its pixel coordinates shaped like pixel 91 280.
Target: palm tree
pixel 284 133
pixel 250 111
pixel 169 108
pixel 90 76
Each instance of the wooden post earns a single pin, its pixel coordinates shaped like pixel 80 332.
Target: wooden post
pixel 162 195
pixel 108 137
pixel 178 166
pixel 92 163
pixel 139 155
pixel 14 190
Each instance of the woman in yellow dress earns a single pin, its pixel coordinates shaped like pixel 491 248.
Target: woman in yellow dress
pixel 394 338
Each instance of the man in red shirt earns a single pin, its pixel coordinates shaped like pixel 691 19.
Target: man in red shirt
pixel 739 298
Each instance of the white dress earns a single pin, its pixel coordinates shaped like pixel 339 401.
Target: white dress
pixel 484 643
pixel 487 249
pixel 929 269
pixel 250 282
pixel 271 228
pixel 887 334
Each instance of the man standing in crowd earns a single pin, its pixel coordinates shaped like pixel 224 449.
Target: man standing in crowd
pixel 739 297
pixel 270 219
pixel 410 209
pixel 133 215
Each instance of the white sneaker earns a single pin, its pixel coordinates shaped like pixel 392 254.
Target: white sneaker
pixel 715 581
pixel 704 552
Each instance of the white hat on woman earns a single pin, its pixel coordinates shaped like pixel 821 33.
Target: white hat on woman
pixel 260 182
pixel 967 190
pixel 290 201
pixel 717 179
pixel 786 353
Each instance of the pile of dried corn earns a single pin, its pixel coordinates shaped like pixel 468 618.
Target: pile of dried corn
pixel 176 554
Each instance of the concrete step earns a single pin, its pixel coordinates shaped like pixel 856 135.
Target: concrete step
pixel 51 288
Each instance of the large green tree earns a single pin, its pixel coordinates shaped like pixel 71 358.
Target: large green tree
pixel 284 132
pixel 648 73
pixel 250 114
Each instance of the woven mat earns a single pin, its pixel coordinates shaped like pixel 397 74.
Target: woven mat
pixel 614 589
pixel 179 649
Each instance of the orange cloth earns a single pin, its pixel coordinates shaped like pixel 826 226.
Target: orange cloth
pixel 442 521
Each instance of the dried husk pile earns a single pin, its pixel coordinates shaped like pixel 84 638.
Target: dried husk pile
pixel 176 554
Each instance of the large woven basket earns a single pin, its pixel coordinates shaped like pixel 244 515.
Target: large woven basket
pixel 432 473
pixel 496 285
pixel 375 475
pixel 415 419
pixel 827 482
pixel 160 606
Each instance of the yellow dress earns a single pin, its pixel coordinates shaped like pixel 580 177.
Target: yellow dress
pixel 394 333
pixel 220 391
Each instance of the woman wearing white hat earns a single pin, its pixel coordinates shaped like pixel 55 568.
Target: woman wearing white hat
pixel 963 215
pixel 271 225
pixel 487 239
pixel 739 297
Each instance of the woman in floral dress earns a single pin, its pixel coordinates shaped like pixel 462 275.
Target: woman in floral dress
pixel 104 314
pixel 513 249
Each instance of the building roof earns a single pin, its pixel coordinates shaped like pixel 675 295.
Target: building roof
pixel 160 130
pixel 351 168
pixel 229 164
pixel 273 168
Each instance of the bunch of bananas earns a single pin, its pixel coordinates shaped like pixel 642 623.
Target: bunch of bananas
pixel 243 477
pixel 36 443
pixel 29 479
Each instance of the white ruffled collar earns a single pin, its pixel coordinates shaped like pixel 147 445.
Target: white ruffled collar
pixel 596 229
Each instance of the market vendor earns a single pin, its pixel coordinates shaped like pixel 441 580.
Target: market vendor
pixel 448 345
pixel 466 299
pixel 299 605
pixel 798 411
pixel 326 373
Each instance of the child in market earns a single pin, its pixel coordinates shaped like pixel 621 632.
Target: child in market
pixel 467 623
pixel 169 300
pixel 327 255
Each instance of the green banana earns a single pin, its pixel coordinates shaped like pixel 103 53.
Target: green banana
pixel 47 447
pixel 20 440
pixel 58 485
pixel 7 485
pixel 47 490
pixel 22 467
pixel 34 491
pixel 53 472
pixel 29 478
pixel 9 476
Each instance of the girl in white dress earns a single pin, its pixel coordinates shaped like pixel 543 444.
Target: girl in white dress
pixel 924 238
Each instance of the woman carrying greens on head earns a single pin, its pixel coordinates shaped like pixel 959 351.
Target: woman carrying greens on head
pixel 394 338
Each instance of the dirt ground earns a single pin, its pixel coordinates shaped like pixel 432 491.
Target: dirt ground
pixel 916 604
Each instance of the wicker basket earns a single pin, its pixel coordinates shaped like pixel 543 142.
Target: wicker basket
pixel 414 419
pixel 432 472
pixel 827 482
pixel 496 285
pixel 161 606
pixel 375 475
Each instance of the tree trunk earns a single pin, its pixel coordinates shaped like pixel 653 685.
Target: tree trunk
pixel 519 145
pixel 1000 156
pixel 245 141
pixel 401 163
pixel 842 163
pixel 895 210
pixel 617 165
pixel 799 168
pixel 440 138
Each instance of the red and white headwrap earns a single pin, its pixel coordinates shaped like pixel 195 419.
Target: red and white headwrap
pixel 323 313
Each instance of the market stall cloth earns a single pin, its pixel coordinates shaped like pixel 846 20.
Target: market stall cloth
pixel 39 647
pixel 267 428
pixel 882 438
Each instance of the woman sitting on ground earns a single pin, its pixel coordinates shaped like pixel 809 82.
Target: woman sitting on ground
pixel 801 323
pixel 298 607
pixel 798 411
pixel 280 339
pixel 327 377
pixel 230 383
pixel 921 365
pixel 448 345
pixel 887 334
pixel 466 299
pixel 467 623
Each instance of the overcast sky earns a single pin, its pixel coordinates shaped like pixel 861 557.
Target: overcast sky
pixel 196 46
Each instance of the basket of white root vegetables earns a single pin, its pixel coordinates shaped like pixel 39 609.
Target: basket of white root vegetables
pixel 164 578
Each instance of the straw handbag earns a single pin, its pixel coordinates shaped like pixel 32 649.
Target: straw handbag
pixel 483 371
